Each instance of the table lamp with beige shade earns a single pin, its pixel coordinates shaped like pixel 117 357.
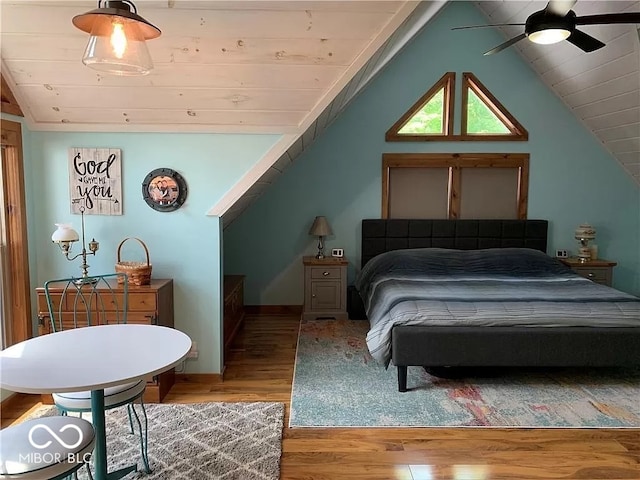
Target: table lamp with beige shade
pixel 321 229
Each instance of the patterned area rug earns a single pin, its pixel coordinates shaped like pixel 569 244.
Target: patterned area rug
pixel 337 383
pixel 199 441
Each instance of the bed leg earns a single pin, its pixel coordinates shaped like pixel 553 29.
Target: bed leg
pixel 402 378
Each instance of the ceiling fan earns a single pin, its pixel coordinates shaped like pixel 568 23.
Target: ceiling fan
pixel 557 22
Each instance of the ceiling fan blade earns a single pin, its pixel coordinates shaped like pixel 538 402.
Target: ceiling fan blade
pixel 584 41
pixel 490 25
pixel 608 18
pixel 560 7
pixel 506 44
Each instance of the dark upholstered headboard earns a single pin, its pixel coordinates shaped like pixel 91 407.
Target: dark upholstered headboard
pixel 383 235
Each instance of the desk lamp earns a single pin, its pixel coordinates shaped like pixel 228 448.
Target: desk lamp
pixel 64 236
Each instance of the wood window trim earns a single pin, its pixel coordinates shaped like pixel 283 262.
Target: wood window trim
pixel 19 309
pixel 517 132
pixel 446 82
pixel 8 103
pixel 455 162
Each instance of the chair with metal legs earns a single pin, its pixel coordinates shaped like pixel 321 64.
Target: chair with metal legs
pixel 50 448
pixel 89 301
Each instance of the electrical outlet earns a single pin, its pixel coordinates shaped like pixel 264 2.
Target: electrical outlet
pixel 193 351
pixel 562 253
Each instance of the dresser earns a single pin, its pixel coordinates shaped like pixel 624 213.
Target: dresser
pixel 599 271
pixel 147 304
pixel 325 288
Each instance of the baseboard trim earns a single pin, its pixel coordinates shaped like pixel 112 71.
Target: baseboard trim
pixel 200 377
pixel 273 309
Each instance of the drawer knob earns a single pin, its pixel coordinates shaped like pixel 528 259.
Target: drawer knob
pixel 590 275
pixel 325 273
pixel 314 296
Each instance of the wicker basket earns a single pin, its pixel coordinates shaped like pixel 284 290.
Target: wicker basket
pixel 138 273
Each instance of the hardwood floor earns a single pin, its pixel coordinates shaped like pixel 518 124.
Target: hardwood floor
pixel 260 368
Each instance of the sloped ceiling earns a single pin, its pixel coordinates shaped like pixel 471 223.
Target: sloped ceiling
pixel 601 88
pixel 220 66
pixel 287 67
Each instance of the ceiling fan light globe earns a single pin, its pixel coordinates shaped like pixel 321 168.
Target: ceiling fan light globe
pixel 549 36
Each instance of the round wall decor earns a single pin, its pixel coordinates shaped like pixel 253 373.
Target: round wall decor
pixel 164 190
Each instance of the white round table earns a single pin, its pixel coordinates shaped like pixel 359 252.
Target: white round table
pixel 92 358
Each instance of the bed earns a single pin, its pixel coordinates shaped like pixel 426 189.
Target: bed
pixel 482 293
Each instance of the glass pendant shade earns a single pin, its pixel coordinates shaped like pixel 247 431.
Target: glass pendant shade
pixel 117 46
pixel 117 42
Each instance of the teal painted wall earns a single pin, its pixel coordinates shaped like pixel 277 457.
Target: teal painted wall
pixel 184 245
pixel 572 178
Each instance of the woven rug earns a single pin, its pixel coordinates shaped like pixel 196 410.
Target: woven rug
pixel 198 441
pixel 337 383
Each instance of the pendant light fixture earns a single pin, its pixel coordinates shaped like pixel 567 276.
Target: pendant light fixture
pixel 117 42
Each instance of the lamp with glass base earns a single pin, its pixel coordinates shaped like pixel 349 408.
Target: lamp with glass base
pixel 65 236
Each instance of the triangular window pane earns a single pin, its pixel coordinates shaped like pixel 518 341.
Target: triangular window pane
pixel 481 120
pixel 431 117
pixel 484 117
pixel 429 120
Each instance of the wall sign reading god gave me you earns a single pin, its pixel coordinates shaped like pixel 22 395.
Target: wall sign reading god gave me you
pixel 95 181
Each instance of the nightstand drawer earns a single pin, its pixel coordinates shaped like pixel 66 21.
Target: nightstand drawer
pixel 599 271
pixel 329 273
pixel 596 274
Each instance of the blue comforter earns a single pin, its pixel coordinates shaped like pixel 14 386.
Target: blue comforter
pixel 493 287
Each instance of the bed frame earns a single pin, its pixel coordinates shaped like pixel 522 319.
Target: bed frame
pixel 436 347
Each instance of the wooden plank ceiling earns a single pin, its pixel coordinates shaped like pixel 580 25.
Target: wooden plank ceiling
pixel 286 67
pixel 220 66
pixel 601 88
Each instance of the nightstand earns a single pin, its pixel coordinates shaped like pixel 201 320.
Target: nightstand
pixel 599 271
pixel 325 288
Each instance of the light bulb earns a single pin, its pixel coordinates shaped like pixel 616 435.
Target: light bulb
pixel 117 46
pixel 118 39
pixel 549 36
